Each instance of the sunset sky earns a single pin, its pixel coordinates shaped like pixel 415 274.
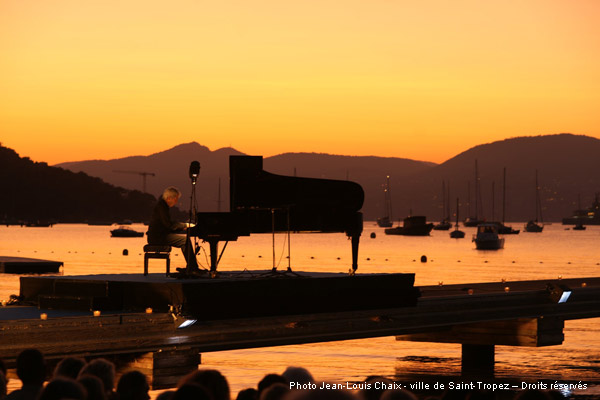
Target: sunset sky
pixel 101 79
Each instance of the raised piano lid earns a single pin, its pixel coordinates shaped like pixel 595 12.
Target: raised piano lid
pixel 252 187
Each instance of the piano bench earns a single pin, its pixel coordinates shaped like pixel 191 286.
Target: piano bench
pixel 157 251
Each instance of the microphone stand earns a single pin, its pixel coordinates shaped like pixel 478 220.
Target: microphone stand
pixel 188 243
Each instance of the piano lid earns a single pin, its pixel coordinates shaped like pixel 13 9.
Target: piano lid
pixel 252 187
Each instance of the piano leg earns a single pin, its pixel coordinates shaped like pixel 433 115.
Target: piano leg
pixel 214 253
pixel 355 239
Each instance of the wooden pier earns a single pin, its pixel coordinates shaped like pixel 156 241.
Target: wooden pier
pixel 479 316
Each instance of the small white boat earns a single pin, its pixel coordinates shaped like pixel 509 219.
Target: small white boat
pixel 487 237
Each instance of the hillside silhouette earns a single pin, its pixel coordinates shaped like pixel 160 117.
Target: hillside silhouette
pixel 33 191
pixel 567 166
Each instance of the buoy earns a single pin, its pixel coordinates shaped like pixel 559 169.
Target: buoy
pixel 125 252
pixel 485 262
pixel 373 235
pixel 338 258
pixel 386 259
pixel 513 262
pixel 259 256
pixel 423 259
pixel 368 258
pixel 312 258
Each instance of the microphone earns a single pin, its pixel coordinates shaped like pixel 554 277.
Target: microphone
pixel 194 170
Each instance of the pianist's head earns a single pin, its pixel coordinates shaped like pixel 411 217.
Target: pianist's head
pixel 171 195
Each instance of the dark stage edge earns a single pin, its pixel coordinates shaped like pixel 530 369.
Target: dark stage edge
pixel 21 265
pixel 230 295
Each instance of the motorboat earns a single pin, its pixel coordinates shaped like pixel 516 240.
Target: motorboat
pixel 123 231
pixel 413 226
pixel 487 237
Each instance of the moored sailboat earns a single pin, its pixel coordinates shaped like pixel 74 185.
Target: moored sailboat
pixel 532 225
pixel 386 220
pixel 457 233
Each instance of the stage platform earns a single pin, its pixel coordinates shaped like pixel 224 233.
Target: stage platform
pixel 229 295
pixel 21 265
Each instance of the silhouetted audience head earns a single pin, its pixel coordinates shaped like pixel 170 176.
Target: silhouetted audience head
pixel 376 386
pixel 93 387
pixel 276 391
pixel 320 394
pixel 31 367
pixel 62 388
pixel 191 391
pixel 3 383
pixel 247 394
pixel 532 394
pixel 69 367
pixel 212 380
pixel 166 395
pixel 103 369
pixel 455 394
pixel 398 394
pixel 298 374
pixel 269 380
pixel 481 395
pixel 133 385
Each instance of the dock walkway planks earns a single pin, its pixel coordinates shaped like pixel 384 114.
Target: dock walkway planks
pixel 22 265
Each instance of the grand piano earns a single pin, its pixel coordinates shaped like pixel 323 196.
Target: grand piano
pixel 263 202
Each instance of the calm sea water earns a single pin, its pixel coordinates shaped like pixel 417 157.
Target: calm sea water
pixel 557 251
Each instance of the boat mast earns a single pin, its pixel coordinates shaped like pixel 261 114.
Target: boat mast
pixel 388 198
pixel 457 213
pixel 468 198
pixel 449 215
pixel 443 200
pixel 503 195
pixel 538 203
pixel 476 191
pixel 493 201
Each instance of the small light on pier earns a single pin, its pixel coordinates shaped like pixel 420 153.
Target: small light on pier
pixel 148 310
pixel 441 283
pixel 583 284
pixel 3 303
pixel 470 292
pixel 503 280
pixel 44 316
pixel 506 289
pixel 96 313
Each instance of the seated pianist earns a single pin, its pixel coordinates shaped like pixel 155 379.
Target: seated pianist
pixel 163 231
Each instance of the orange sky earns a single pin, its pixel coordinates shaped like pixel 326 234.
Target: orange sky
pixel 83 79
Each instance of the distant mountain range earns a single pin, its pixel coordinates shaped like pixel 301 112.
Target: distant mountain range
pixel 567 165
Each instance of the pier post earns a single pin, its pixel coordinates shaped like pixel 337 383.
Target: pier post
pixel 478 360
